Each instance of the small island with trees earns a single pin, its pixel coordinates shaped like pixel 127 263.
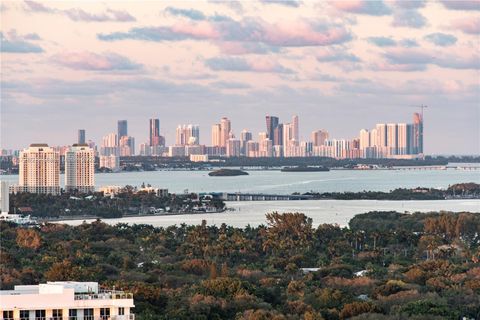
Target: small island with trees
pixel 228 173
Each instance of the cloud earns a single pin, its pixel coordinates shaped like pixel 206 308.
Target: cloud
pixel 239 48
pixel 336 55
pixel 410 4
pixel 38 7
pixel 282 34
pixel 230 85
pixel 236 6
pixel 243 65
pixel 408 18
pixel 188 13
pixel 461 4
pixel 109 15
pixel 367 7
pixel 32 36
pixel 423 57
pixel 287 3
pixel 17 44
pixel 76 14
pixel 408 43
pixel 95 62
pixel 468 25
pixel 441 39
pixel 382 41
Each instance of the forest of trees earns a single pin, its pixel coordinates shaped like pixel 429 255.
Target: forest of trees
pixel 385 265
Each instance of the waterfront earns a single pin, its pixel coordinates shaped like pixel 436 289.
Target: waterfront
pixel 276 182
pixel 321 211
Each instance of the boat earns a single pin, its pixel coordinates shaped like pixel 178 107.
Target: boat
pixel 304 169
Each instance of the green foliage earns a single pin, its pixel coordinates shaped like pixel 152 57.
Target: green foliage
pixel 221 272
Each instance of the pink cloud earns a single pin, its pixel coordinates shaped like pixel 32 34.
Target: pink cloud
pixel 470 25
pixel 199 30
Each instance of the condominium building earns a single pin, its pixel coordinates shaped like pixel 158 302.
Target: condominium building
pixel 110 145
pixel 4 197
pixel 233 148
pixel 154 133
pixel 80 169
pixel 187 135
pixel 319 137
pixel 39 169
pixel 81 136
pixel 225 129
pixel 65 300
pixel 216 135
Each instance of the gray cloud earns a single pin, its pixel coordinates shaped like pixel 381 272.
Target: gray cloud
pixel 382 41
pixel 108 61
pixel 243 65
pixel 287 3
pixel 18 45
pixel 408 18
pixel 367 7
pixel 441 39
pixel 410 4
pixel 189 13
pixel 230 85
pixel 461 4
pixel 417 57
pixel 220 28
pixel 76 14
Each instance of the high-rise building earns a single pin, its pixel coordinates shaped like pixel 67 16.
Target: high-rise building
pixel 81 136
pixel 319 137
pixel 402 139
pixel 226 128
pixel 216 135
pixel 272 123
pixel 80 169
pixel 154 132
pixel 39 169
pixel 122 129
pixel 262 136
pixel 110 145
pixel 187 135
pixel 392 139
pixel 233 148
pixel 4 197
pixel 111 162
pixel 417 133
pixel 245 136
pixel 295 128
pixel 278 135
pixel 127 146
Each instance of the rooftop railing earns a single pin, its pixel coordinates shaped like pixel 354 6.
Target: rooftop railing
pixel 103 296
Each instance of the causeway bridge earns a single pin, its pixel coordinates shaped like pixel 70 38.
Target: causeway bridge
pixel 262 197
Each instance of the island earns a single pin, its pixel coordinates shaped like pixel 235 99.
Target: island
pixel 304 169
pixel 227 173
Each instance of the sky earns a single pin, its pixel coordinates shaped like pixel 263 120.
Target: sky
pixel 338 65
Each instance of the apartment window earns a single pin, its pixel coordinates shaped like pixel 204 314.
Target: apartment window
pixel 88 314
pixel 24 314
pixel 121 311
pixel 57 314
pixel 7 315
pixel 72 314
pixel 105 313
pixel 40 315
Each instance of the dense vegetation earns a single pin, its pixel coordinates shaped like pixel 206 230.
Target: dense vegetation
pixel 420 266
pixel 126 202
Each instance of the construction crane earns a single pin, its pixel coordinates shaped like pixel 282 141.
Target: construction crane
pixel 421 108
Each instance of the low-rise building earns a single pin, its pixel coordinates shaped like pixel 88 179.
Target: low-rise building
pixel 65 300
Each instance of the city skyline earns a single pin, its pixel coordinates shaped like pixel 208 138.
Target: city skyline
pixel 341 66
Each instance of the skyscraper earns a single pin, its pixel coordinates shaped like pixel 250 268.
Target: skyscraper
pixel 4 197
pixel 122 129
pixel 417 133
pixel 109 145
pixel 80 169
pixel 402 139
pixel 225 127
pixel 272 123
pixel 278 135
pixel 154 132
pixel 216 135
pixel 187 135
pixel 39 169
pixel 295 128
pixel 319 137
pixel 392 139
pixel 81 136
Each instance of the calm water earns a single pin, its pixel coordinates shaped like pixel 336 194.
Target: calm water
pixel 287 182
pixel 321 211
